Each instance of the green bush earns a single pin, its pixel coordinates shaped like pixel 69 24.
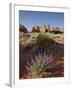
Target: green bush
pixel 44 40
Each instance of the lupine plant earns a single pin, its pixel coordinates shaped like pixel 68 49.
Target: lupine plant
pixel 40 64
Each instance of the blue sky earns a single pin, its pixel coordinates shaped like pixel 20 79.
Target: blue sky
pixel 33 18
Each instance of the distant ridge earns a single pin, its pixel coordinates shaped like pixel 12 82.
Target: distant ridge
pixel 42 28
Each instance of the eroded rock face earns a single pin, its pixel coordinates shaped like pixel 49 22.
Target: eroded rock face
pixel 35 29
pixel 22 28
pixel 46 28
pixel 43 28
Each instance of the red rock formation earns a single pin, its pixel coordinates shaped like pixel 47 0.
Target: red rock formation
pixel 22 28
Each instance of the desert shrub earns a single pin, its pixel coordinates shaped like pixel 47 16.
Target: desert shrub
pixel 40 64
pixel 44 40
